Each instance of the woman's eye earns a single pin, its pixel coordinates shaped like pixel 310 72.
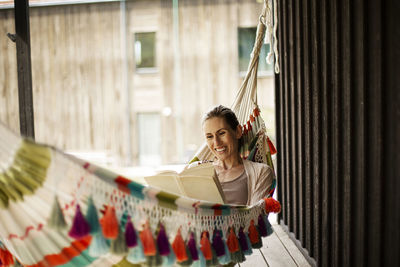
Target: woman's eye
pixel 208 136
pixel 221 133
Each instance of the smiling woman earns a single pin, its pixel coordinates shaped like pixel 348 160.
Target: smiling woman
pixel 243 182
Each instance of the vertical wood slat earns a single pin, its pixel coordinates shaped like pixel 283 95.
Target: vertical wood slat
pixel 391 142
pixel 23 42
pixel 343 130
pixel 292 120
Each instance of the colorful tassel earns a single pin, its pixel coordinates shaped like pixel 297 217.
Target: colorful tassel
pixel 162 242
pixel 136 255
pixel 154 260
pixel 262 227
pixel 201 261
pixel 272 205
pixel 149 246
pixel 6 258
pixel 98 246
pixel 206 246
pixel 254 236
pixel 92 218
pixel 130 234
pixel 232 241
pixel 118 245
pixel 270 230
pixel 218 243
pixel 242 240
pixel 178 246
pixel 237 257
pixel 80 228
pixel 109 223
pixel 249 251
pixel 271 146
pixel 253 233
pixel 192 247
pixel 170 259
pixel 56 219
pixel 214 260
pixel 226 258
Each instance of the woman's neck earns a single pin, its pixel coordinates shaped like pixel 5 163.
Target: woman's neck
pixel 230 163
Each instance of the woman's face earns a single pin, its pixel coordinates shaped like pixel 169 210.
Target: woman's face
pixel 221 139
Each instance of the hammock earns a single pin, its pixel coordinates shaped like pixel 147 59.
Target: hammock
pixel 58 210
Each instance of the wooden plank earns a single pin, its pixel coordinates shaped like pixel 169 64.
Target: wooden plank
pixel 293 250
pixel 254 260
pixel 275 252
pixel 23 42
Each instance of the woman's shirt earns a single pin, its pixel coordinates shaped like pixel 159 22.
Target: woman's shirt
pixel 236 191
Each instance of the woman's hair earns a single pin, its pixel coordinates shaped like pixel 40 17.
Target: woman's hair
pixel 228 115
pixel 222 112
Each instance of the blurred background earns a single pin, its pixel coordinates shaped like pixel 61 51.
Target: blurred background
pixel 125 83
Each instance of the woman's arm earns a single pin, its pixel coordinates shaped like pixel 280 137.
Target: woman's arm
pixel 263 184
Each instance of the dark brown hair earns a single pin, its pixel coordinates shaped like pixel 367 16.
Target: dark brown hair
pixel 228 115
pixel 223 112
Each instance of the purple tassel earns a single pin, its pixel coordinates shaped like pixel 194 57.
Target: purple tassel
pixel 242 240
pixel 192 247
pixel 130 234
pixel 162 242
pixel 262 228
pixel 218 243
pixel 80 228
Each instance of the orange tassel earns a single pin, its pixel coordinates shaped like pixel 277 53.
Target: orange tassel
pixel 6 258
pixel 253 233
pixel 272 205
pixel 206 246
pixel 272 148
pixel 149 246
pixel 232 241
pixel 256 112
pixel 109 223
pixel 179 247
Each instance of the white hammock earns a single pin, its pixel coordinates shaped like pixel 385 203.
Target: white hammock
pixel 45 192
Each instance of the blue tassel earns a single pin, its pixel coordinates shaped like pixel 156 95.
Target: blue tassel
pixel 201 262
pixel 270 230
pixel 249 251
pixel 99 245
pixel 170 259
pixel 92 218
pixel 225 259
pixel 135 254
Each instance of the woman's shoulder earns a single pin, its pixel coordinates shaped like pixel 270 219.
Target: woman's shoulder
pixel 257 165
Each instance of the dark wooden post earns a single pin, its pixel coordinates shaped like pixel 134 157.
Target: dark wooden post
pixel 23 42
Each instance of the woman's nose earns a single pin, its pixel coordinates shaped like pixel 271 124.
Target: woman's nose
pixel 217 141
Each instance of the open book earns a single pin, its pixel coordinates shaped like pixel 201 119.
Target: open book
pixel 198 182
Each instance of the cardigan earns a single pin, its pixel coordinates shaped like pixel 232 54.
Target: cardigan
pixel 260 178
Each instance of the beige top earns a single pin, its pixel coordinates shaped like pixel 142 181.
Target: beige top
pixel 235 191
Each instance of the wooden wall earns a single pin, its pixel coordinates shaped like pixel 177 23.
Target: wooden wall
pixel 338 129
pixel 79 92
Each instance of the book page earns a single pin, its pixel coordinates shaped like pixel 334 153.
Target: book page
pixel 202 188
pixel 165 182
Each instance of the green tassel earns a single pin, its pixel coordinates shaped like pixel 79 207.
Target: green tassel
pixel 92 217
pixel 56 219
pixel 118 245
pixel 99 245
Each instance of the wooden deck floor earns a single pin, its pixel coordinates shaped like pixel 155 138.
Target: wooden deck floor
pixel 278 250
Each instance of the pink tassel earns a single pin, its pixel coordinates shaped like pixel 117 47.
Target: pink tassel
pixel 80 228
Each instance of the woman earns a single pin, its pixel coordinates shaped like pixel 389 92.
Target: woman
pixel 243 182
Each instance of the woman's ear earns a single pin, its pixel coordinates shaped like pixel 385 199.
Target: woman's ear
pixel 239 131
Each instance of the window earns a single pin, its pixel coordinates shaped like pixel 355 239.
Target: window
pixel 247 37
pixel 149 138
pixel 145 50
